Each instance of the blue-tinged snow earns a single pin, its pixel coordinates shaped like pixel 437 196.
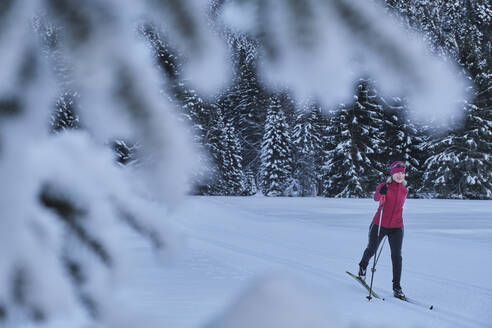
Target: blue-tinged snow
pixel 280 262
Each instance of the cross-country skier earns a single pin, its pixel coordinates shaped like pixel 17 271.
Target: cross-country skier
pixel 394 193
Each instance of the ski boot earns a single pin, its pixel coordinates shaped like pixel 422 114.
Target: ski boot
pixel 362 272
pixel 398 292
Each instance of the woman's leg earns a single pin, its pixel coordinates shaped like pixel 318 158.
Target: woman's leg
pixel 395 238
pixel 372 244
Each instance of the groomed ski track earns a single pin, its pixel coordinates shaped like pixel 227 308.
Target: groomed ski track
pixel 233 240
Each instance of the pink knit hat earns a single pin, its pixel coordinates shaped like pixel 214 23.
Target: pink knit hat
pixel 397 166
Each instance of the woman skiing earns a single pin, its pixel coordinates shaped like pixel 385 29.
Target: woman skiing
pixel 394 193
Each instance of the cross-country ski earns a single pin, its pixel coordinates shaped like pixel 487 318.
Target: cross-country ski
pixel 363 283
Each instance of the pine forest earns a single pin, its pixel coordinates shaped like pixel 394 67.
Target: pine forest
pixel 262 140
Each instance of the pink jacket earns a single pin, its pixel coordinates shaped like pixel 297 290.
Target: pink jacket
pixel 393 205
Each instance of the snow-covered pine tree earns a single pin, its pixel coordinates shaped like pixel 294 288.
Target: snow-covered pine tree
pixel 245 102
pixel 233 174
pixel 226 173
pixel 476 157
pixel 276 154
pixel 441 172
pixel 370 136
pixel 201 119
pixel 327 152
pixel 321 119
pixel 402 140
pixel 250 187
pixel 458 166
pixel 289 107
pixel 341 176
pixel 474 52
pixel 207 182
pixel 308 140
pixel 354 136
pixel 302 162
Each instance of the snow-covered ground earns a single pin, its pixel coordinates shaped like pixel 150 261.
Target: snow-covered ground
pixel 268 262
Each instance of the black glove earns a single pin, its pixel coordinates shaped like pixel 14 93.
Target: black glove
pixel 383 190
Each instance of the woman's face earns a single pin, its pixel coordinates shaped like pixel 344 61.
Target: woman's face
pixel 398 177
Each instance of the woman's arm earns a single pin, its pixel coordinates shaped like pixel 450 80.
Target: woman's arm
pixel 377 195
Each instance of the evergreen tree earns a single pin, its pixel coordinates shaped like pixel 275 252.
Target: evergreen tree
pixel 232 168
pixel 458 167
pixel 289 107
pixel 276 156
pixel 341 175
pixel 308 145
pixel 250 186
pixel 201 119
pixel 369 135
pixel 211 182
pixel 227 176
pixel 244 102
pixel 351 168
pixel 440 174
pixel 402 141
pixel 474 50
pixel 476 156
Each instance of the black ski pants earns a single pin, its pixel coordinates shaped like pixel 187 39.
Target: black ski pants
pixel 395 239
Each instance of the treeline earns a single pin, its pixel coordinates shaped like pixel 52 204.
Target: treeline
pixel 260 139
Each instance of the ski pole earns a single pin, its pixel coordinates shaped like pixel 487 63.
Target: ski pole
pixel 377 259
pixel 369 297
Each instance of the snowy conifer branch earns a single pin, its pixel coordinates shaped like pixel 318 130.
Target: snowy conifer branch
pixel 146 231
pixel 73 217
pixel 79 275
